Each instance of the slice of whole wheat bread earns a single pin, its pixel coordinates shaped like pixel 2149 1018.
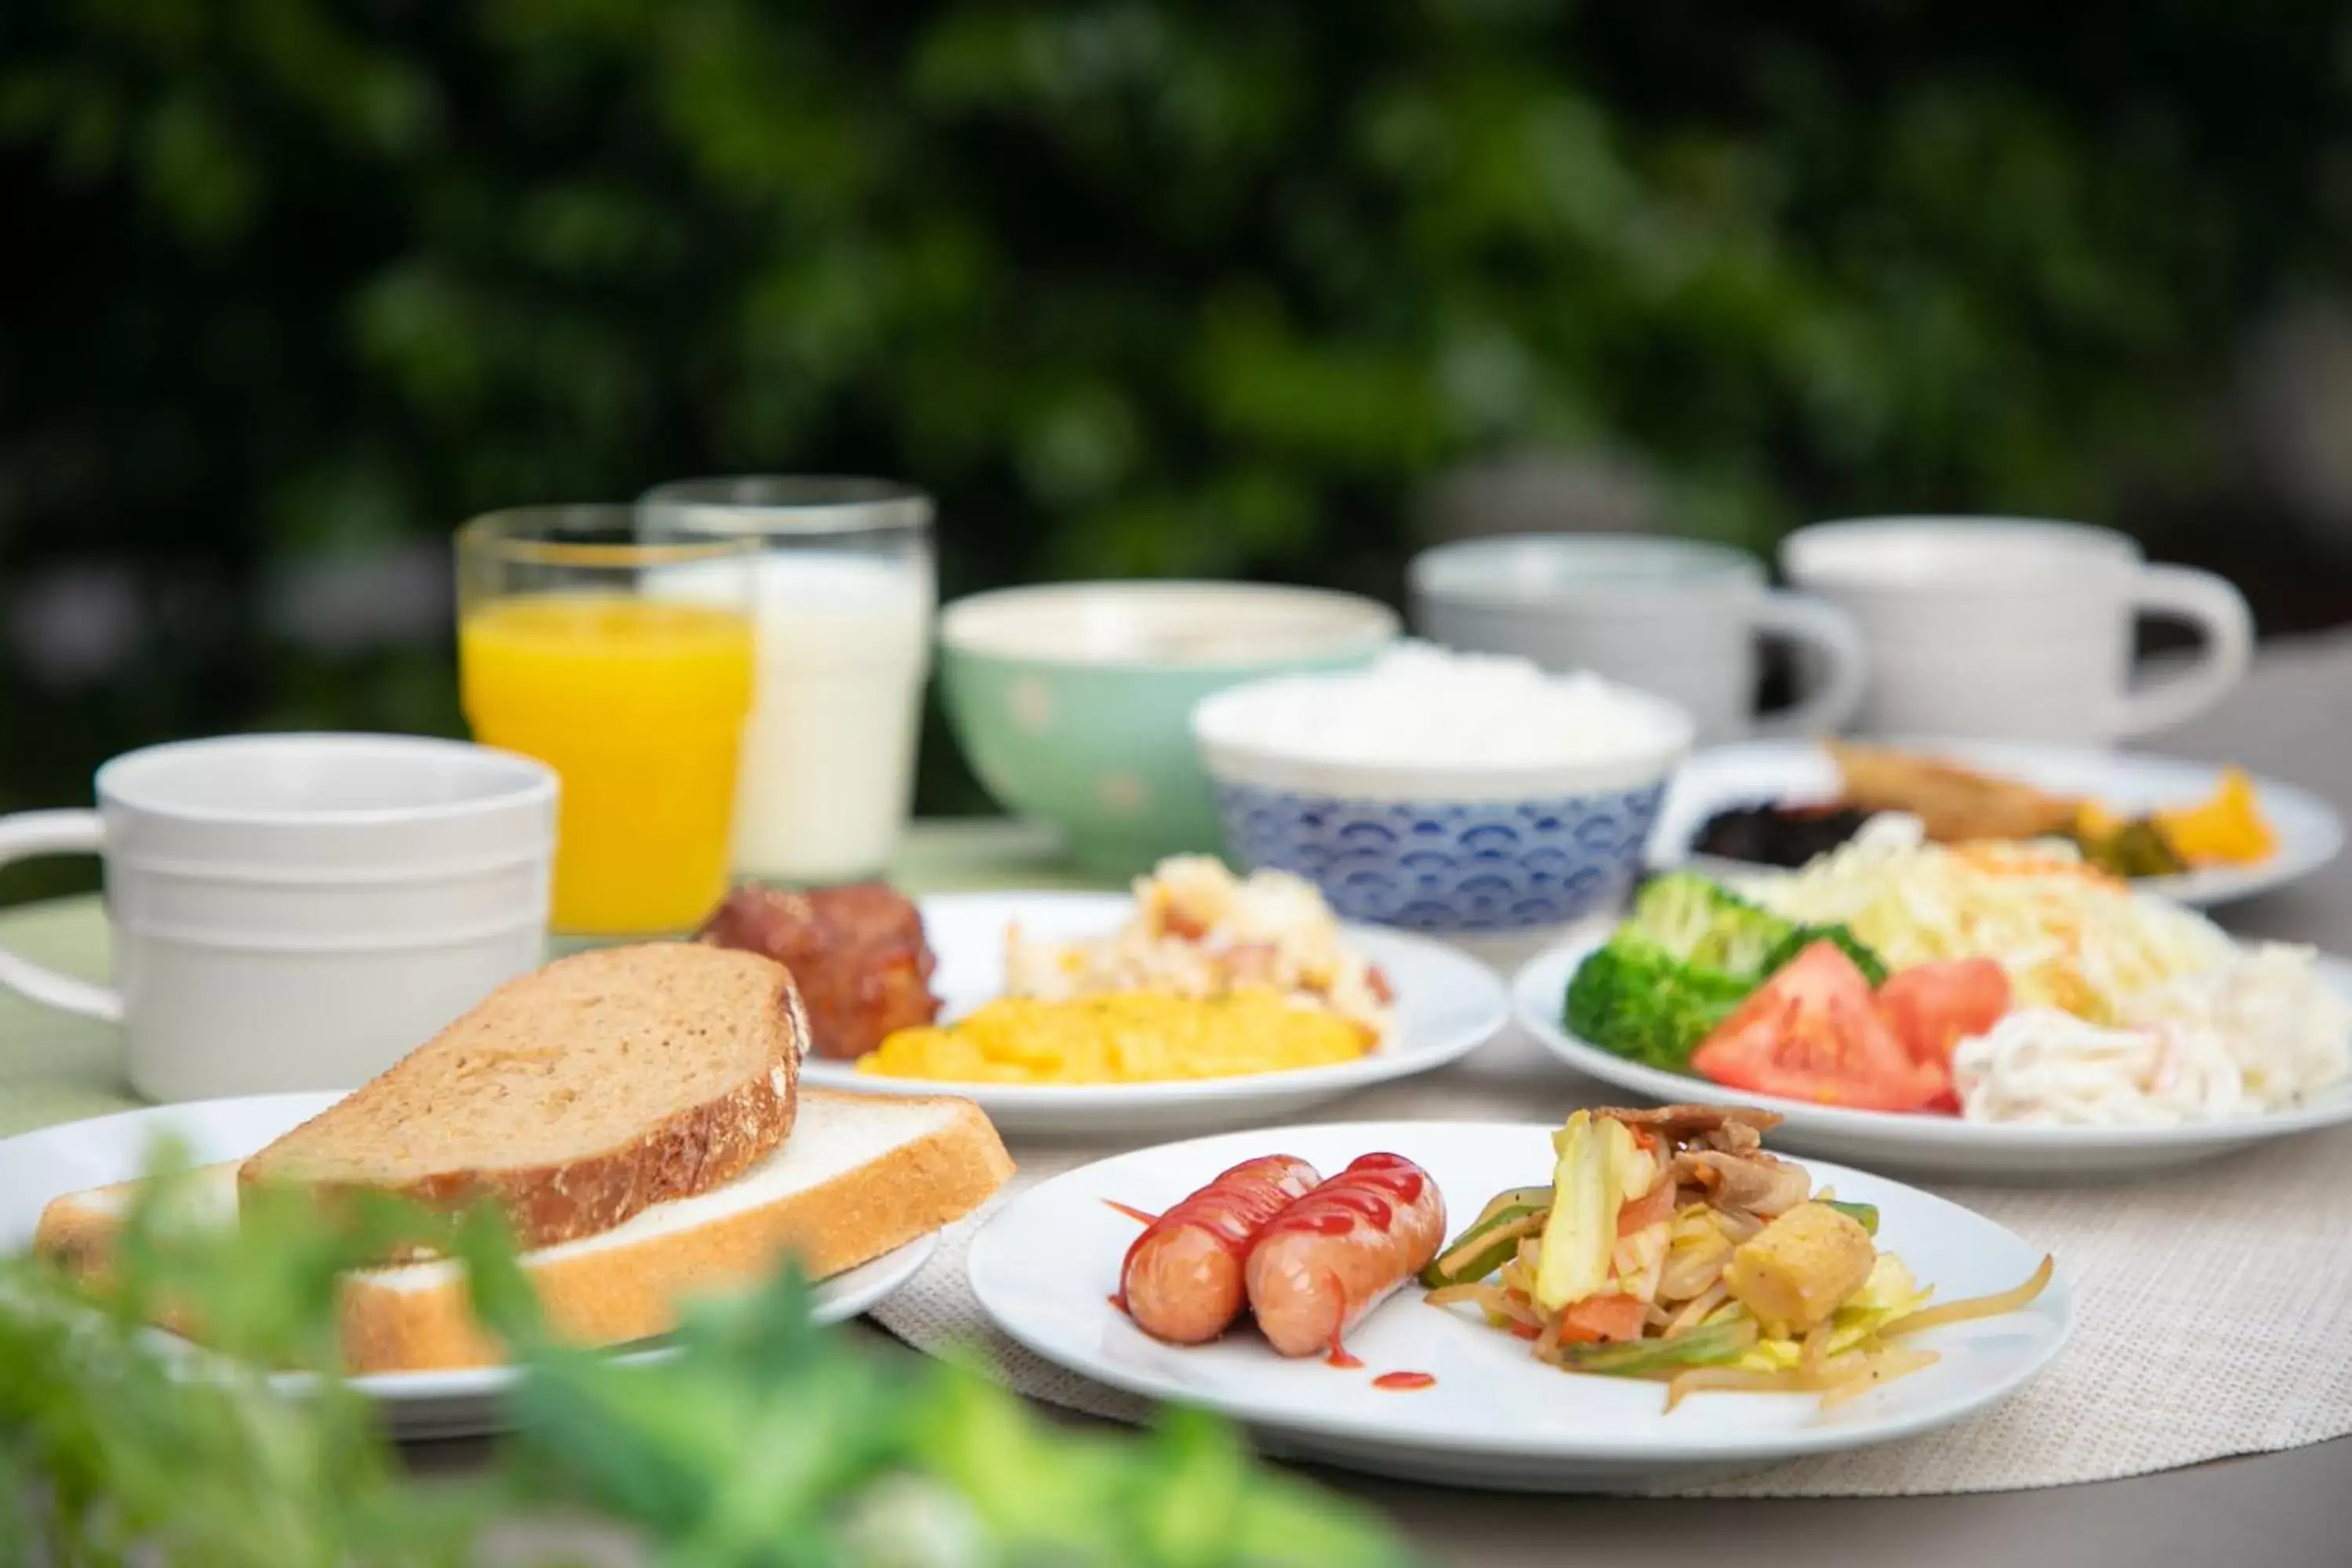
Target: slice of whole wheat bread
pixel 861 1176
pixel 575 1096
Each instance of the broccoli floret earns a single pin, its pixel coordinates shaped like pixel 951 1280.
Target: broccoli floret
pixel 1865 957
pixel 1634 999
pixel 1707 924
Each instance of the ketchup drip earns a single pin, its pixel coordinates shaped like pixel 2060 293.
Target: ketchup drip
pixel 1404 1381
pixel 1340 1357
pixel 1139 1216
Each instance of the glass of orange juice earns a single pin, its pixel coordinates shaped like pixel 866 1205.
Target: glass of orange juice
pixel 573 648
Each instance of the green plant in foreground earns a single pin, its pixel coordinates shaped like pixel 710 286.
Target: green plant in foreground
pixel 762 1441
pixel 108 1442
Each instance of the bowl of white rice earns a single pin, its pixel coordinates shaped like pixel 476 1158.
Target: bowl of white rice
pixel 1443 791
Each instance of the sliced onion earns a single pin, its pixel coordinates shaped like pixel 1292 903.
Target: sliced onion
pixel 1836 1370
pixel 1697 1311
pixel 1816 1349
pixel 1974 1306
pixel 1689 1275
pixel 1454 1295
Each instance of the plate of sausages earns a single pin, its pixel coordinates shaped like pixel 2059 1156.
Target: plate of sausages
pixel 1280 1278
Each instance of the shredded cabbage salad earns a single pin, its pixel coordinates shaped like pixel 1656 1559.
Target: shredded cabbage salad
pixel 2130 1010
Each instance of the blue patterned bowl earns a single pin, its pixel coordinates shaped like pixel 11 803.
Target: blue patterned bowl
pixel 1440 866
pixel 1439 846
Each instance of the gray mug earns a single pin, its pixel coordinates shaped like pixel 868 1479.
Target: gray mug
pixel 1676 617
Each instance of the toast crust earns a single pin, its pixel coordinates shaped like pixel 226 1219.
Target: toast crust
pixel 691 1151
pixel 619 1294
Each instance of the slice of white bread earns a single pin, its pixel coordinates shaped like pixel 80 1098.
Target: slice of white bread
pixel 861 1175
pixel 575 1096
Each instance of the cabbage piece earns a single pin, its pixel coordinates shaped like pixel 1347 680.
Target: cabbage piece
pixel 1599 1163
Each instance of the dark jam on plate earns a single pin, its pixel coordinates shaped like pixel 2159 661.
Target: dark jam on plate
pixel 1773 835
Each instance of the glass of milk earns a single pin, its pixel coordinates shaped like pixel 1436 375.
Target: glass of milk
pixel 844 598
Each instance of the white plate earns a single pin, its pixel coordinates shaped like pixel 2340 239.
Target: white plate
pixel 1045 1267
pixel 1753 772
pixel 1897 1140
pixel 1447 1005
pixel 464 1402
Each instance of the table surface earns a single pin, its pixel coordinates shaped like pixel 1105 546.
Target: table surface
pixel 2274 1510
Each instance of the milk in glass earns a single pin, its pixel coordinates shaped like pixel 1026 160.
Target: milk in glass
pixel 829 751
pixel 843 600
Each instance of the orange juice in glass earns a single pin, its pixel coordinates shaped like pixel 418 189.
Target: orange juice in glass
pixel 571 650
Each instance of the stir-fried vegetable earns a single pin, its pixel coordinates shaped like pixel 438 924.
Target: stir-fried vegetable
pixel 1801 1268
pixel 1863 1215
pixel 1716 1343
pixel 1492 1240
pixel 1633 1263
pixel 1600 1169
pixel 1978 1307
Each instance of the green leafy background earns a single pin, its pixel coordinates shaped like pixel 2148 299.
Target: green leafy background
pixel 1133 286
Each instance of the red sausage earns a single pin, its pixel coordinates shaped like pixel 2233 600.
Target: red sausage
pixel 1182 1280
pixel 1333 1255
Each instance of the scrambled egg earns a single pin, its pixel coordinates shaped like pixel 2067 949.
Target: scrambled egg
pixel 1124 1037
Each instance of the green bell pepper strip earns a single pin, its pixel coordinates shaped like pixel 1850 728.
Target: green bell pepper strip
pixel 1456 1267
pixel 1707 1346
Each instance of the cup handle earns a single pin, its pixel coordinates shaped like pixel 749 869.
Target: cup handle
pixel 22 838
pixel 1815 623
pixel 2219 611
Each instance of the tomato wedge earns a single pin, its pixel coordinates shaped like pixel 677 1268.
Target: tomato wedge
pixel 1602 1319
pixel 1935 1007
pixel 1811 1033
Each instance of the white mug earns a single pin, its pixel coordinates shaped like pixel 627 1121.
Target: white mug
pixel 2016 628
pixel 298 911
pixel 1679 618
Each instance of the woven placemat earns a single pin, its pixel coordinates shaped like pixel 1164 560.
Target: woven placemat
pixel 2214 1307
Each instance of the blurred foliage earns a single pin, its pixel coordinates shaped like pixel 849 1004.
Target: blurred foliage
pixel 761 1444
pixel 1137 287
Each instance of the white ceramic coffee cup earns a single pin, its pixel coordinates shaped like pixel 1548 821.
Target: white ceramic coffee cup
pixel 2016 627
pixel 298 911
pixel 1679 618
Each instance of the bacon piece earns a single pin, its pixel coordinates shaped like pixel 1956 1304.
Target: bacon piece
pixel 856 952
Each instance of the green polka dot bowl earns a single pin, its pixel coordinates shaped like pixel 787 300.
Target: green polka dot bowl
pixel 1073 702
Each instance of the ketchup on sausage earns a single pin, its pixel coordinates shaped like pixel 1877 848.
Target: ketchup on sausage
pixel 1182 1279
pixel 1327 1259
